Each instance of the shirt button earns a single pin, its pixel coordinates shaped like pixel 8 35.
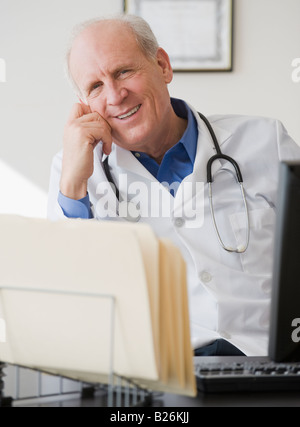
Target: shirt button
pixel 137 155
pixel 205 276
pixel 266 287
pixel 179 222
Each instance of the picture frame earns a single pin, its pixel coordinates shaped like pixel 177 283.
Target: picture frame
pixel 197 34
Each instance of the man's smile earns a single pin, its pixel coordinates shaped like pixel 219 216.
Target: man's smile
pixel 129 113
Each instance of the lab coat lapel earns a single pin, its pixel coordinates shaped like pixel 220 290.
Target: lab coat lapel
pixel 126 161
pixel 138 184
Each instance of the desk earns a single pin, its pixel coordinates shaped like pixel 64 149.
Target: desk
pixel 259 399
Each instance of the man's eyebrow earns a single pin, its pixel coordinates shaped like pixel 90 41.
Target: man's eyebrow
pixel 114 72
pixel 120 68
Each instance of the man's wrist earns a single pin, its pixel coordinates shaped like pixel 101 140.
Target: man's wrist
pixel 73 191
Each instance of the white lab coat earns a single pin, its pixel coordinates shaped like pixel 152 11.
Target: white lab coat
pixel 229 293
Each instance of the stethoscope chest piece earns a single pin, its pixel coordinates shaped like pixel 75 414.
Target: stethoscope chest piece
pixel 239 179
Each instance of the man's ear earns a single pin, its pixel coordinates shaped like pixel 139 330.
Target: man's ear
pixel 163 61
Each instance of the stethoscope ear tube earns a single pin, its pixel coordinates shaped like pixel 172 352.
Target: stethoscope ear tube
pixel 126 210
pixel 242 248
pixel 109 177
pixel 224 157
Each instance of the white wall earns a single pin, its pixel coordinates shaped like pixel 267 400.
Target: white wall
pixel 35 99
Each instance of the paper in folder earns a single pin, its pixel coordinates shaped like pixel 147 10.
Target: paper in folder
pixel 82 298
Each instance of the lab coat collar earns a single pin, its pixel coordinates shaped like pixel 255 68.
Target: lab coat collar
pixel 124 159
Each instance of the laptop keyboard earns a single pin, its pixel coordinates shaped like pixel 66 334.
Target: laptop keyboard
pixel 246 374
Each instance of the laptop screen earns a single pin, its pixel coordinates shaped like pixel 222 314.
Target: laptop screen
pixel 284 342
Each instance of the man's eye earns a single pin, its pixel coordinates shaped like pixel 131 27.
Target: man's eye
pixel 94 90
pixel 123 72
pixel 96 86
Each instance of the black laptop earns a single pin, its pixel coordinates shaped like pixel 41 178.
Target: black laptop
pixel 281 370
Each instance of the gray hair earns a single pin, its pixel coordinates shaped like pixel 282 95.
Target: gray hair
pixel 144 36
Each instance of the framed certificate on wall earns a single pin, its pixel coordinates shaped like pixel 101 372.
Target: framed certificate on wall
pixel 197 34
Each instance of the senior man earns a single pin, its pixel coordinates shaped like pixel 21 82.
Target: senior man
pixel 126 129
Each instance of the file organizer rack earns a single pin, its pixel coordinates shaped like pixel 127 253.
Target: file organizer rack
pixel 120 391
pixel 4 401
pixel 2 366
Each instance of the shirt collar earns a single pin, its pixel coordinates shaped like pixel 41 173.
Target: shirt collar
pixel 190 136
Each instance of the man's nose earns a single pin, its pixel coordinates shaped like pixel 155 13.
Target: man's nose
pixel 115 93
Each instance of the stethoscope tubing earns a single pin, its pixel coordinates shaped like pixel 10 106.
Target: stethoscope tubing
pixel 219 155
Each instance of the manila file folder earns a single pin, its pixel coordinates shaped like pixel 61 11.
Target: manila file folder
pixel 82 299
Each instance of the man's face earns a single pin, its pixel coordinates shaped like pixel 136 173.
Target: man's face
pixel 125 87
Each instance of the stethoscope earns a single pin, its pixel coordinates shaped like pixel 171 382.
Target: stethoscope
pixel 136 217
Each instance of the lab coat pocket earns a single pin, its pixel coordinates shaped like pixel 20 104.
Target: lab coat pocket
pixel 258 258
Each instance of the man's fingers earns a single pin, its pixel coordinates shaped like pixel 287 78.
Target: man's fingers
pixel 78 110
pixel 91 117
pixel 96 126
pixel 102 129
pixel 82 114
pixel 99 130
pixel 106 147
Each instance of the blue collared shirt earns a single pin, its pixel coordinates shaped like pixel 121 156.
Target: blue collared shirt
pixel 177 163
